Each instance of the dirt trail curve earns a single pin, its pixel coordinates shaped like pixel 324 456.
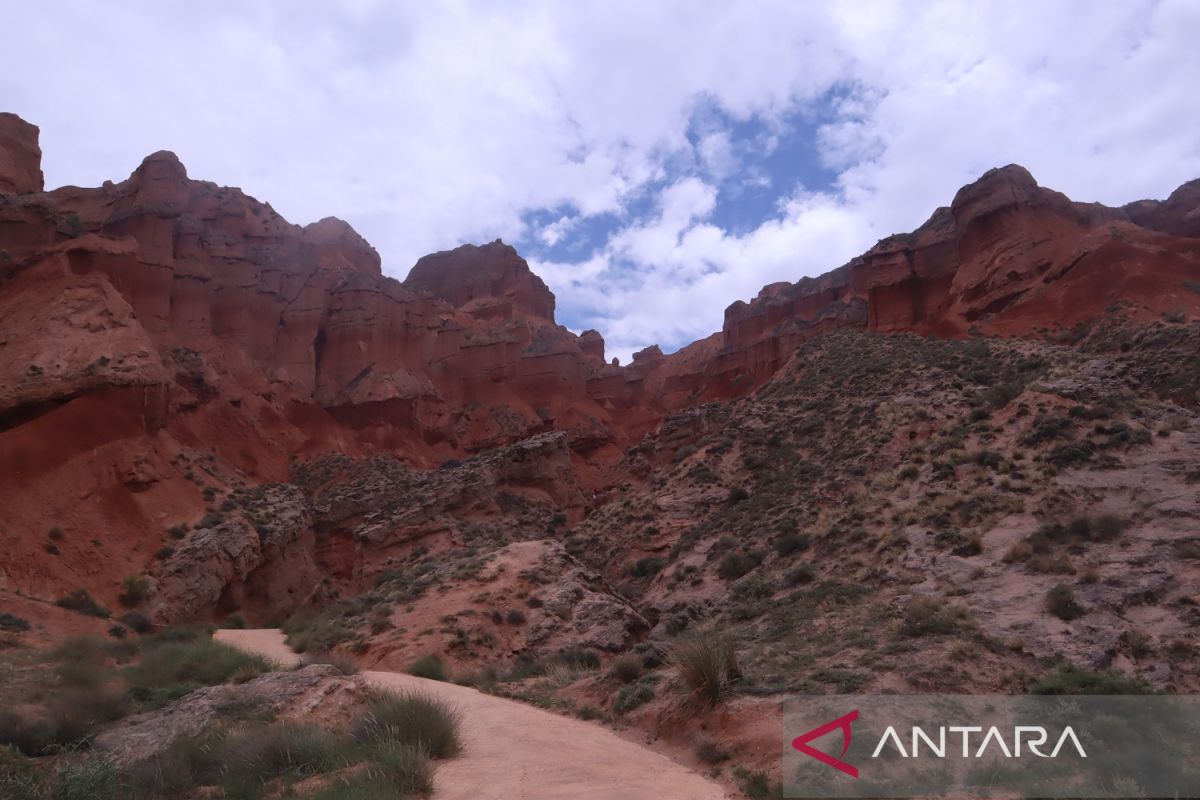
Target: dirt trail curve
pixel 517 752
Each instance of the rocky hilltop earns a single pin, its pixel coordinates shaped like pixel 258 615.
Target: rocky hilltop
pixel 209 413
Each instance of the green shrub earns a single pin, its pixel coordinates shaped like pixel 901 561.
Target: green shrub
pixel 80 600
pixel 710 752
pixel 788 543
pixel 626 668
pixel 429 666
pixel 515 616
pixel 12 623
pixel 707 664
pixel 1060 601
pixel 134 590
pixel 929 616
pixel 1070 454
pixel 804 573
pixel 234 621
pixel 734 565
pixel 756 784
pixel 425 723
pixel 578 658
pixel 210 520
pixel 1070 679
pixel 631 697
pixel 136 621
pixel 648 567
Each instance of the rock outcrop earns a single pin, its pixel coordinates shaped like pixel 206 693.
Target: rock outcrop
pixel 20 156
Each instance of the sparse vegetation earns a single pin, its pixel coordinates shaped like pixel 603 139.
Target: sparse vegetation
pixel 1070 679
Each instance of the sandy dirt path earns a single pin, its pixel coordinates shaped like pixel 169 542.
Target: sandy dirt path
pixel 514 751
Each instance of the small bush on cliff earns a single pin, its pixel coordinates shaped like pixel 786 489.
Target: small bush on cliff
pixel 11 623
pixel 134 590
pixel 1061 602
pixel 707 664
pixel 648 567
pixel 626 668
pixel 81 600
pixel 734 565
pixel 136 621
pixel 631 697
pixel 928 616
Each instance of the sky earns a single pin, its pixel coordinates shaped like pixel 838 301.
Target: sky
pixel 654 161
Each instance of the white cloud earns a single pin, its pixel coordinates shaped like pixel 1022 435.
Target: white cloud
pixel 430 124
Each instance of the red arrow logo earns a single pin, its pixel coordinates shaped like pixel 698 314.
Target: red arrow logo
pixel 801 743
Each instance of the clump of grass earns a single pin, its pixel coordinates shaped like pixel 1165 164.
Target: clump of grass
pixel 429 666
pixel 419 721
pixel 394 771
pixel 707 664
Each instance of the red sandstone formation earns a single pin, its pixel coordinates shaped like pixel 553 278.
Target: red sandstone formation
pixel 20 156
pixel 163 336
pixel 1007 258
